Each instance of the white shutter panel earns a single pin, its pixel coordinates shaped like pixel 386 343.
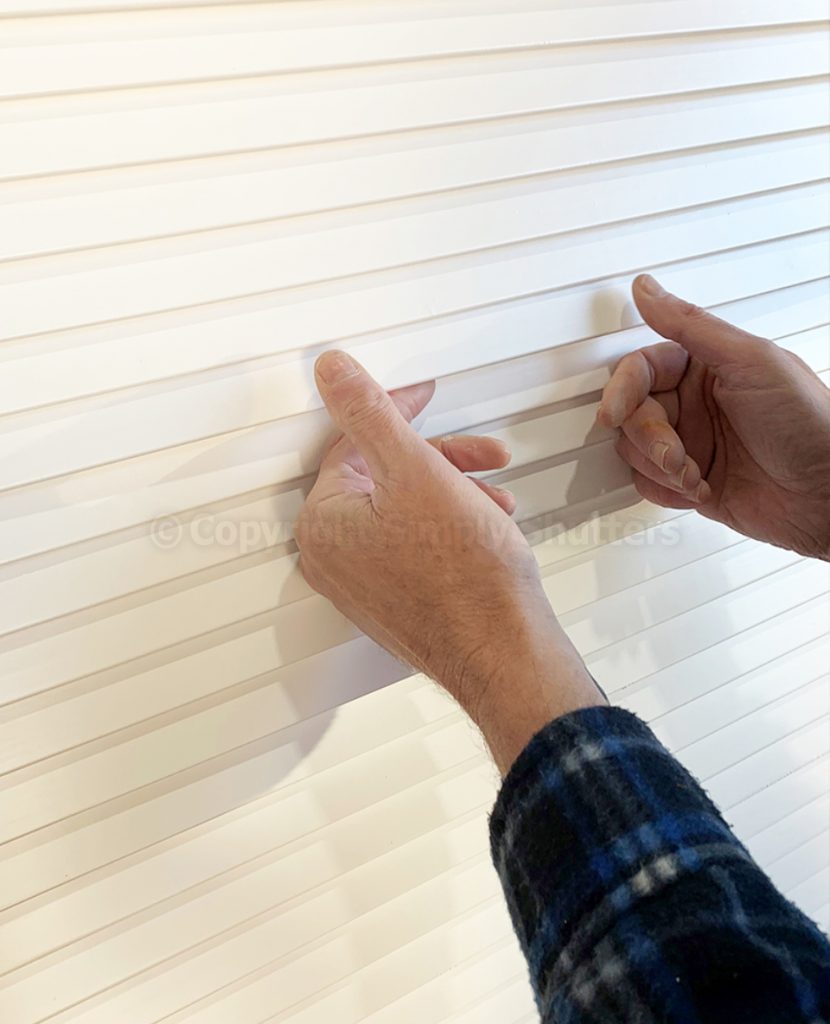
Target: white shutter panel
pixel 218 802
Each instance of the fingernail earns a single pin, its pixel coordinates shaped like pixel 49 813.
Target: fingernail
pixel 681 480
pixel 658 452
pixel 702 493
pixel 332 367
pixel 651 287
pixel 508 497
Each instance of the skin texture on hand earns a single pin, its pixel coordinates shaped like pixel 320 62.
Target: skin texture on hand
pixel 725 422
pixel 427 561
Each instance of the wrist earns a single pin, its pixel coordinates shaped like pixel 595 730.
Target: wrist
pixel 524 675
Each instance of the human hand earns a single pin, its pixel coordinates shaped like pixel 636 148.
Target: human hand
pixel 725 422
pixel 427 562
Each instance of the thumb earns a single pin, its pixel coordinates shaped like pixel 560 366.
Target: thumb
pixel 704 336
pixel 365 413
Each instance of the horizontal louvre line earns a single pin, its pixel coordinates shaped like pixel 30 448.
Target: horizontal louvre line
pixel 745 650
pixel 483 213
pixel 579 541
pixel 37 596
pixel 766 806
pixel 298 14
pixel 127 494
pixel 774 841
pixel 474 980
pixel 602 621
pixel 197 830
pixel 811 883
pixel 813 891
pixel 275 46
pixel 311 624
pixel 749 734
pixel 171 128
pixel 422 959
pixel 812 346
pixel 380 831
pixel 498 961
pixel 476 900
pixel 218 670
pixel 476 897
pixel 802 745
pixel 35 802
pixel 471 975
pixel 432 758
pixel 805 858
pixel 571 587
pixel 308 626
pixel 707 714
pixel 571 545
pixel 620 664
pixel 367 870
pixel 94 577
pixel 120 429
pixel 48 730
pixel 229 728
pixel 504 993
pixel 446 246
pixel 822 915
pixel 161 199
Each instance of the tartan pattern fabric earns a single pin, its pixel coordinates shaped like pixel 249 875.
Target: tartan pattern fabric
pixel 631 897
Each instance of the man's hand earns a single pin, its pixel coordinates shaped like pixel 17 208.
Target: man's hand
pixel 428 562
pixel 725 422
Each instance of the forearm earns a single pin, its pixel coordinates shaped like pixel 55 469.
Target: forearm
pixel 629 892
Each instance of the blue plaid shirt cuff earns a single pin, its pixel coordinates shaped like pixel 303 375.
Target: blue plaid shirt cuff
pixel 632 898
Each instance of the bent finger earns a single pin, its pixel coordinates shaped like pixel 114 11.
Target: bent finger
pixel 506 500
pixel 657 367
pixel 472 453
pixel 659 495
pixel 687 482
pixel 649 430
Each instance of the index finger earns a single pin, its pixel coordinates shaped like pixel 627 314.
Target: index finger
pixel 654 368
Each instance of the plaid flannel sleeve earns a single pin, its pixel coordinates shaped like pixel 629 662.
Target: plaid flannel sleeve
pixel 631 897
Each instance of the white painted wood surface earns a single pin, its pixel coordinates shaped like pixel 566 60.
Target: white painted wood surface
pixel 218 802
